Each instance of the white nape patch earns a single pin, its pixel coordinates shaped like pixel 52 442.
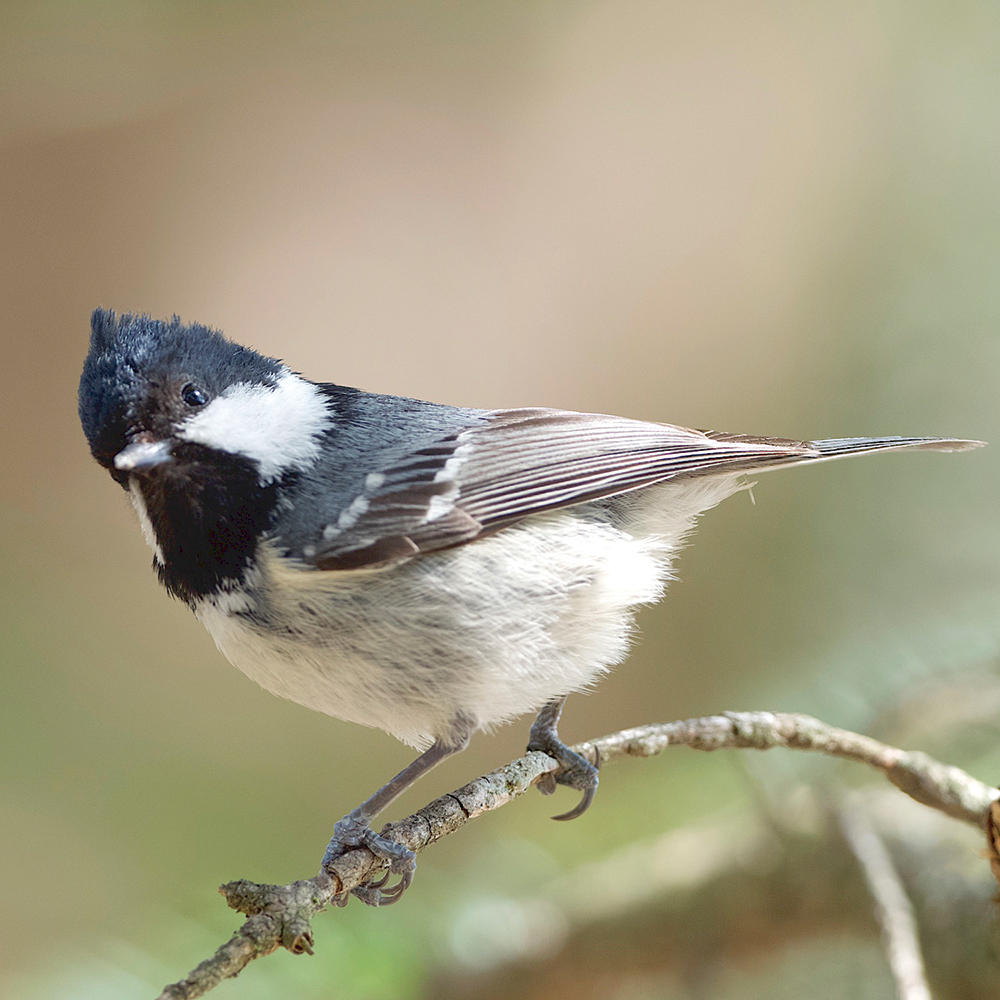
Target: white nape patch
pixel 148 532
pixel 277 426
pixel 374 480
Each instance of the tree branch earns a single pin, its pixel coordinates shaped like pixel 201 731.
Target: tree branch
pixel 280 916
pixel 893 908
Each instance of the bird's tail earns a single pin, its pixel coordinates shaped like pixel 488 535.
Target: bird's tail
pixel 841 447
pixel 789 452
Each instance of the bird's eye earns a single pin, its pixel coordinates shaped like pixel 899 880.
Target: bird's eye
pixel 193 396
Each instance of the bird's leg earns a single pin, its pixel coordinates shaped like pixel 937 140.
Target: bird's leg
pixel 355 830
pixel 574 771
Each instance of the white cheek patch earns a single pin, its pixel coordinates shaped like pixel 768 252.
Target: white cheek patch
pixel 277 426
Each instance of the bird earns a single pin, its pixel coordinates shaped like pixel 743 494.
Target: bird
pixel 425 569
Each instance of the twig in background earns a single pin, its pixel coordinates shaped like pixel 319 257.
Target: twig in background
pixel 893 908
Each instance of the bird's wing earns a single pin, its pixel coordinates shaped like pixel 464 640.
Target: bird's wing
pixel 526 461
pixel 522 462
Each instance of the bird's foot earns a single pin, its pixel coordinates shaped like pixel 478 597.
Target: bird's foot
pixel 574 771
pixel 354 830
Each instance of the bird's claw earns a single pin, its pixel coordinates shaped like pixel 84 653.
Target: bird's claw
pixel 575 771
pixel 354 830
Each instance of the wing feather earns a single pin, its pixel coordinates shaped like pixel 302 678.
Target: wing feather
pixel 506 465
pixel 523 462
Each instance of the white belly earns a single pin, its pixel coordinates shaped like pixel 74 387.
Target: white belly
pixel 492 630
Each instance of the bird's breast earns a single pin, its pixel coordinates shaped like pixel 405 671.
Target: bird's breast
pixel 491 630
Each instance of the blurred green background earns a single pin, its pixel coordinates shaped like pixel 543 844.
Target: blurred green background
pixel 768 217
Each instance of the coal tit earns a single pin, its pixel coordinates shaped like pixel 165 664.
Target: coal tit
pixel 430 570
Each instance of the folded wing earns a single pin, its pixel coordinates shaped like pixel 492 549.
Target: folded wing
pixel 526 461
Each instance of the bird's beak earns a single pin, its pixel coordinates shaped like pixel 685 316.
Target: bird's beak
pixel 141 456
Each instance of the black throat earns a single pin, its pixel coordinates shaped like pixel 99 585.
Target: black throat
pixel 208 511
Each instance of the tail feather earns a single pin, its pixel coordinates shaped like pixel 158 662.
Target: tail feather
pixel 801 452
pixel 839 447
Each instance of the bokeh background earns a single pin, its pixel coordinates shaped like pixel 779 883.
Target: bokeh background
pixel 767 217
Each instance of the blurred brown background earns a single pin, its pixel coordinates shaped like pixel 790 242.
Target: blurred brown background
pixel 765 217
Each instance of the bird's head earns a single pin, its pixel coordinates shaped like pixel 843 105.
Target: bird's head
pixel 158 398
